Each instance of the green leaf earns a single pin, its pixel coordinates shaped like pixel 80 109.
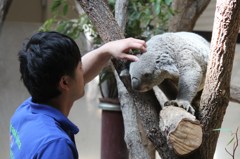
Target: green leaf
pixel 168 2
pixel 47 25
pixel 222 129
pixel 157 7
pixel 56 4
pixel 230 141
pixel 61 27
pixel 65 9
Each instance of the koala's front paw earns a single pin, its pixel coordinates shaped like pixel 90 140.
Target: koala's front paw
pixel 182 104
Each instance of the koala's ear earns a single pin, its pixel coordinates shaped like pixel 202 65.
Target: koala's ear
pixel 124 73
pixel 171 69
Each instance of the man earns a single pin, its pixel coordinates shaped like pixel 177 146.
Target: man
pixel 55 74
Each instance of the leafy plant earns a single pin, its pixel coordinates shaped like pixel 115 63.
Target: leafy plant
pixel 107 80
pixel 71 27
pixel 145 18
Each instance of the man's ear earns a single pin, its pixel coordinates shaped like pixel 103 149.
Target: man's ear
pixel 64 83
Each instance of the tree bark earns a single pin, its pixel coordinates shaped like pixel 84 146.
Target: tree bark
pixel 135 136
pixel 132 133
pixel 121 13
pixel 186 14
pixel 4 6
pixel 215 96
pixel 146 103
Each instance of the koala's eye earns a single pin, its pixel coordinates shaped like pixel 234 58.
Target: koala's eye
pixel 147 75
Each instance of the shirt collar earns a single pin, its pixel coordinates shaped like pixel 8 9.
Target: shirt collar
pixel 54 113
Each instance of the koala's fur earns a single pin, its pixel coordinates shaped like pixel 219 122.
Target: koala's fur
pixel 181 57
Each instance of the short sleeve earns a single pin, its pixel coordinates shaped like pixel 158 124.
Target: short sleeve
pixel 59 149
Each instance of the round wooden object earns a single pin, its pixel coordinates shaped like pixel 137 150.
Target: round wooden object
pixel 183 131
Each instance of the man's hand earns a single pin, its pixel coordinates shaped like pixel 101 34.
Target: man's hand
pixel 94 61
pixel 120 48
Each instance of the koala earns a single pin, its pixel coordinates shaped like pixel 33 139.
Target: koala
pixel 181 57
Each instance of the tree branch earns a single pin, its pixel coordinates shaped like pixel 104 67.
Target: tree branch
pixel 132 135
pixel 133 138
pixel 216 92
pixel 4 6
pixel 121 13
pixel 186 14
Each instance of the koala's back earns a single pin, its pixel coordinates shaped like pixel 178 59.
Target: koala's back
pixel 188 51
pixel 182 47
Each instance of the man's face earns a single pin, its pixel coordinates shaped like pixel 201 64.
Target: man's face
pixel 78 82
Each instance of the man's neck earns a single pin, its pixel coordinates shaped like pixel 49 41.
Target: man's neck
pixel 62 104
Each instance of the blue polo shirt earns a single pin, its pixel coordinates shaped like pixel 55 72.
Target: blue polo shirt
pixel 41 132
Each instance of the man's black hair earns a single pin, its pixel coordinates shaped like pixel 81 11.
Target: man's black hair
pixel 45 58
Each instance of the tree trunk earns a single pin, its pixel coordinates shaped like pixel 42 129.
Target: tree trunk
pixel 186 14
pixel 4 6
pixel 132 133
pixel 146 103
pixel 215 96
pixel 135 136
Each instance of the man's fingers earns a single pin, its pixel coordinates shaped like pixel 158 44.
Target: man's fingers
pixel 130 57
pixel 138 44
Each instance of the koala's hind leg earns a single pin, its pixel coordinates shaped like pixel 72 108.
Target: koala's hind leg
pixel 189 82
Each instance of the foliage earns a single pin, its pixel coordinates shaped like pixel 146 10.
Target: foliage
pixel 146 18
pixel 71 27
pixel 107 79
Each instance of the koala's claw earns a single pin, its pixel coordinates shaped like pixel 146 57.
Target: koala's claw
pixel 182 104
pixel 171 102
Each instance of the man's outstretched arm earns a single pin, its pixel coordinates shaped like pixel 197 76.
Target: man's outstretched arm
pixel 94 61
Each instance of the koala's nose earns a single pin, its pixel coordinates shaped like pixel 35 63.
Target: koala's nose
pixel 135 83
